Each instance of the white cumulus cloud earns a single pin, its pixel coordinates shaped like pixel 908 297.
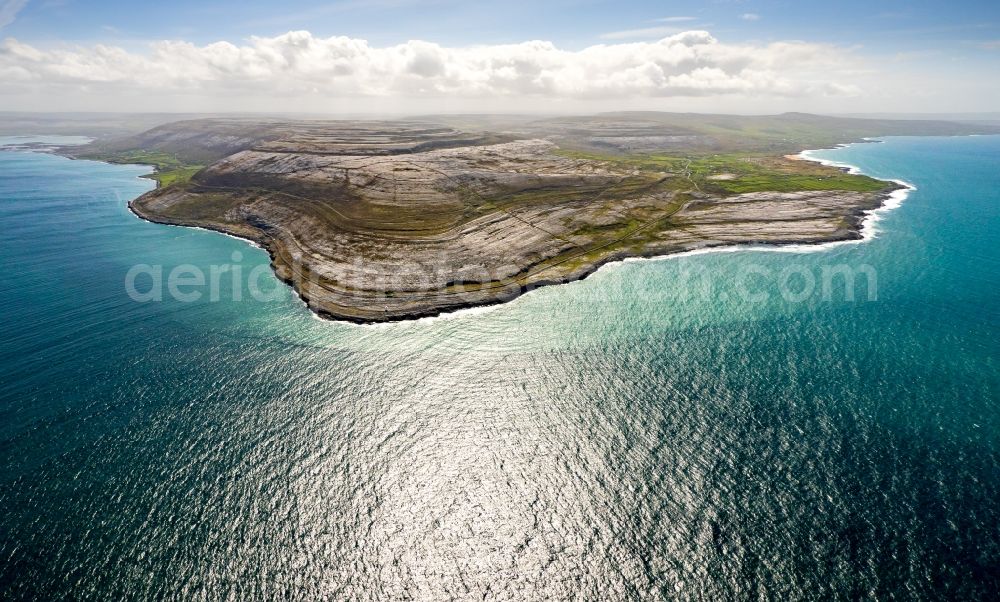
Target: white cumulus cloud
pixel 686 64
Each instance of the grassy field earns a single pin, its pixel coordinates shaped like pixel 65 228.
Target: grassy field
pixel 159 160
pixel 744 173
pixel 169 169
pixel 736 173
pixel 175 176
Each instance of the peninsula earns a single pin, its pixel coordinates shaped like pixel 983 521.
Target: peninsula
pixel 374 221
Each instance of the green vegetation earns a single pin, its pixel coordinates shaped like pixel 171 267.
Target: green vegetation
pixel 175 176
pixel 733 173
pixel 628 187
pixel 736 173
pixel 160 160
pixel 169 169
pixel 647 162
pixel 793 183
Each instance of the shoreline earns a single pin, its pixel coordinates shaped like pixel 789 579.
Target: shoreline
pixel 465 308
pixel 866 231
pixel 869 230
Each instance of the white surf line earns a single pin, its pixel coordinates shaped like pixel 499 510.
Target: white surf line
pixel 869 226
pixel 128 209
pixel 441 317
pixel 869 230
pixel 252 243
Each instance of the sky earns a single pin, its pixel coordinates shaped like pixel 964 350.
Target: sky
pixel 406 56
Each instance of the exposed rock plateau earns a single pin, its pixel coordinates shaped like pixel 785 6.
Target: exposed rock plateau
pixel 380 222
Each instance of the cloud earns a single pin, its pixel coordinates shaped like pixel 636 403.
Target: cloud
pixel 989 45
pixel 9 10
pixel 297 65
pixel 750 17
pixel 674 19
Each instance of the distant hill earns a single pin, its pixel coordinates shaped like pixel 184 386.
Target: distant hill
pixel 202 141
pixel 785 133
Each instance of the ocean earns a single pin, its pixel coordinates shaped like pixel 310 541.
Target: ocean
pixel 804 423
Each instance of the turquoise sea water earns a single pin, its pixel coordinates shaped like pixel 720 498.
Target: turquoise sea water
pixel 713 426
